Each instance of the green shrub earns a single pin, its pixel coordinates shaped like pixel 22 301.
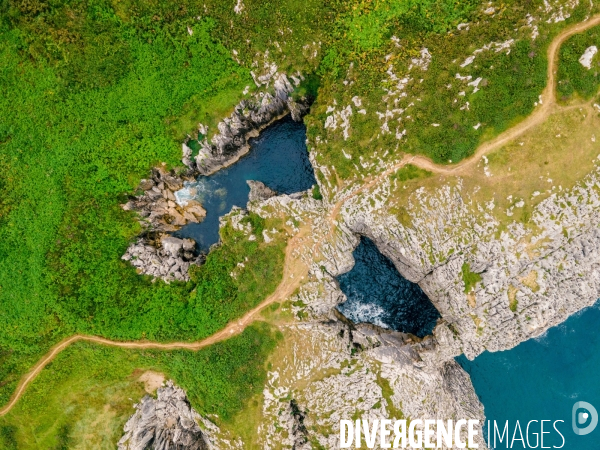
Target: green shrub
pixel 573 78
pixel 316 192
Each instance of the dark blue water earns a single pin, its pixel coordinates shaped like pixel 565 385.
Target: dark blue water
pixel 542 379
pixel 378 294
pixel 278 158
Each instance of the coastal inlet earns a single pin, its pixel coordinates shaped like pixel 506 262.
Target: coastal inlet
pixel 278 158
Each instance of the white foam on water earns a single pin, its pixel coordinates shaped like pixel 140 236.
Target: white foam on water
pixel 193 190
pixel 359 312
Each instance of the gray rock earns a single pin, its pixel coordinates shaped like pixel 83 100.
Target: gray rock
pixel 171 245
pixel 168 422
pixel 156 206
pixel 188 245
pixel 246 121
pixel 259 192
pixel 169 262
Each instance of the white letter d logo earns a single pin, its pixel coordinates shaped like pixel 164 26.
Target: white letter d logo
pixel 581 418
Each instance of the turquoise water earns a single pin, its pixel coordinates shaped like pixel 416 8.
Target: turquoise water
pixel 378 294
pixel 542 379
pixel 278 158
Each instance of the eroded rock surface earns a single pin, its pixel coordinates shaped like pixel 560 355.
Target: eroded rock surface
pixel 248 118
pixel 259 192
pixel 165 423
pixel 159 209
pixel 169 258
pixel 157 206
pixel 532 277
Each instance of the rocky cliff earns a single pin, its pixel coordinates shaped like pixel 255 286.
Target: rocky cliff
pixel 165 423
pixel 532 276
pixel 248 118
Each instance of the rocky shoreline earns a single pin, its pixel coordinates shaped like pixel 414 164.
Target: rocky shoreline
pixel 246 121
pixel 159 211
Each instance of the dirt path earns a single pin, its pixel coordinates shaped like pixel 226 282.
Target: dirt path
pixel 295 269
pixel 548 106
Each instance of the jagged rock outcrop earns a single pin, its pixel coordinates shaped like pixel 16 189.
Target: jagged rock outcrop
pixel 259 192
pixel 157 206
pixel 247 120
pixel 167 257
pixel 165 423
pixel 532 277
pixel 156 253
pixel 390 374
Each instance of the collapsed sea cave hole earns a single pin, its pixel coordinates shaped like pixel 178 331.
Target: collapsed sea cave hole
pixel 377 293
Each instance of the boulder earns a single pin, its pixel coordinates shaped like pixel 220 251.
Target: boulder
pixel 171 245
pixel 188 245
pixel 195 209
pixel 259 192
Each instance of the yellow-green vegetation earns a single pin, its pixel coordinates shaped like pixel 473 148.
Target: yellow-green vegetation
pixel 575 80
pixel 93 95
pixel 387 392
pixel 438 113
pixel 530 280
pixel 83 398
pixel 512 298
pixel 470 278
pixel 547 159
pixel 410 172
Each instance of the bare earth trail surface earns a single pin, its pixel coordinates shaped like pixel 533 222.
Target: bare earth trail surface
pixel 295 269
pixel 546 107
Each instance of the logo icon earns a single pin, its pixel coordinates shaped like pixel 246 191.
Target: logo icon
pixel 581 417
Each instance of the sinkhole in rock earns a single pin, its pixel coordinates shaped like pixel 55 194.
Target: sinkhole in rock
pixel 376 293
pixel 278 158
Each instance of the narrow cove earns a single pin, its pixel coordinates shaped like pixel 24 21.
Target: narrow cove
pixel 278 158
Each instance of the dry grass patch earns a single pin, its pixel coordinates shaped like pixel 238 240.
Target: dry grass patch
pixel 512 298
pixel 547 159
pixel 530 280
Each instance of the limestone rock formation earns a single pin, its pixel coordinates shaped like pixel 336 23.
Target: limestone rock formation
pixel 169 258
pixel 157 205
pixel 531 279
pixel 246 121
pixel 165 423
pixel 259 192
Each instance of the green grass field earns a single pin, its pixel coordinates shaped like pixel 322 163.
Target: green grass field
pixel 85 396
pixel 575 80
pixel 94 93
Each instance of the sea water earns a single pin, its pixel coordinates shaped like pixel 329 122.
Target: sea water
pixel 278 158
pixel 378 294
pixel 542 378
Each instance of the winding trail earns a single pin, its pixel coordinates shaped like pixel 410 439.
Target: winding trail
pixel 547 107
pixel 295 269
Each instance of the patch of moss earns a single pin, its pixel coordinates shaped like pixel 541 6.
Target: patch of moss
pixel 470 278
